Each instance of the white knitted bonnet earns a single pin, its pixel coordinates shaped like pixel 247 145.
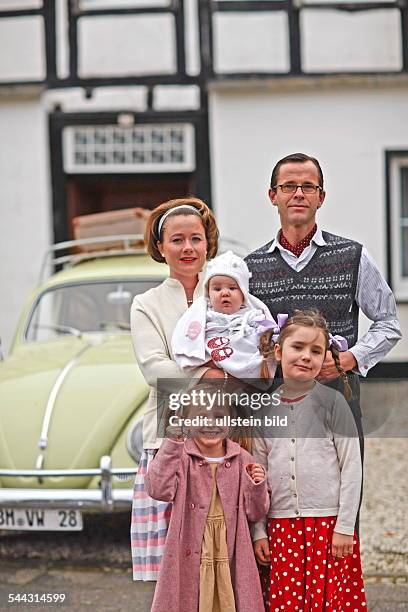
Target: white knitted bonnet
pixel 229 264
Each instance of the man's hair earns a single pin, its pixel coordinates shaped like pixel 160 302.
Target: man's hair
pixel 295 158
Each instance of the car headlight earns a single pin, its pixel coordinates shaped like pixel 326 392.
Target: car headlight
pixel 134 440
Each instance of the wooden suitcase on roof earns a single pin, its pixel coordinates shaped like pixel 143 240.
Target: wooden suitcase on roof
pixel 111 223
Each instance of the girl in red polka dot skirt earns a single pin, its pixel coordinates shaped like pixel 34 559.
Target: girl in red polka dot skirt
pixel 314 475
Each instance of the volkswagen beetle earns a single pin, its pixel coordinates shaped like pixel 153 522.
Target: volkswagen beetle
pixel 71 394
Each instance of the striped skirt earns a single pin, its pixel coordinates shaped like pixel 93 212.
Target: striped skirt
pixel 148 530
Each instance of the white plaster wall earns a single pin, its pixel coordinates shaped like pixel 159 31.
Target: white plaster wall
pixel 370 40
pixel 348 130
pixel 22 54
pixel 243 41
pixel 251 41
pixel 126 45
pixel 24 206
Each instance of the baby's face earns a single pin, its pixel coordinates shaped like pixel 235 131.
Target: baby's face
pixel 225 294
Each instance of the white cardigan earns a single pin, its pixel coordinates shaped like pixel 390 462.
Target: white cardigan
pixel 153 317
pixel 313 464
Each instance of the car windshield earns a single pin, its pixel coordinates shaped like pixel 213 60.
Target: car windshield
pixel 84 307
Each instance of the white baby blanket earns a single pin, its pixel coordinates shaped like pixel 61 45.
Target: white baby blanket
pixel 230 341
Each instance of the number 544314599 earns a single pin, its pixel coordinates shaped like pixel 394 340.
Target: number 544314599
pixel 36 598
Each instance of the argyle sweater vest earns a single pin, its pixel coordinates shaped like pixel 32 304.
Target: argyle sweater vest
pixel 328 283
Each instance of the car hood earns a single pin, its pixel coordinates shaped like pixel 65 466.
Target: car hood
pixel 88 386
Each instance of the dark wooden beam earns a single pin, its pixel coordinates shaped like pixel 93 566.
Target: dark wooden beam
pixel 21 13
pixel 251 6
pixel 50 38
pixel 73 41
pixel 351 7
pixel 180 38
pixel 125 11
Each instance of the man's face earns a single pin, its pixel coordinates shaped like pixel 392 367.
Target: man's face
pixel 297 209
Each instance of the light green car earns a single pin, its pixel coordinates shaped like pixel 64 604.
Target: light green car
pixel 72 396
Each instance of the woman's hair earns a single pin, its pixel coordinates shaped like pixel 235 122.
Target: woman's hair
pixel 152 234
pixel 313 318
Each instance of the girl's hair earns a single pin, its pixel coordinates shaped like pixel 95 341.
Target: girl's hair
pixel 266 348
pixel 152 235
pixel 313 318
pixel 239 434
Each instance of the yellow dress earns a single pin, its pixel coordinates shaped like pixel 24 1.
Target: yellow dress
pixel 216 593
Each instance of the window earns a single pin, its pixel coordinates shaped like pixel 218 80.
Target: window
pixel 94 307
pixel 141 148
pixel 398 217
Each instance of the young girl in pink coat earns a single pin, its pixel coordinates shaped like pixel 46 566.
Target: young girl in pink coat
pixel 215 486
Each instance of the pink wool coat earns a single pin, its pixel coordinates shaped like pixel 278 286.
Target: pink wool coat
pixel 179 473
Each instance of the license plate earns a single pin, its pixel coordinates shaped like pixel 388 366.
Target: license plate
pixel 33 519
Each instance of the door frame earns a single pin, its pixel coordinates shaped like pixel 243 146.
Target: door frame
pixel 58 120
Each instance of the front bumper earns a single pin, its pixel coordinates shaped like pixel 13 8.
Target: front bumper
pixel 105 499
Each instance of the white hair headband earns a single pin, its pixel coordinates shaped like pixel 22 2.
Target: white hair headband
pixel 172 210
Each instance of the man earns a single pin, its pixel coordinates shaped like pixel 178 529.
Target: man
pixel 304 267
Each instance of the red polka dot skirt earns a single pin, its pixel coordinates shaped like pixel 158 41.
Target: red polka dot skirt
pixel 304 574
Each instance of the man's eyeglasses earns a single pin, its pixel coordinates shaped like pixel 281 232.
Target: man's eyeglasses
pixel 307 188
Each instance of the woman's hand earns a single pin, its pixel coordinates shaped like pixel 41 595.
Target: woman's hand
pixel 256 472
pixel 213 373
pixel 230 383
pixel 261 550
pixel 342 545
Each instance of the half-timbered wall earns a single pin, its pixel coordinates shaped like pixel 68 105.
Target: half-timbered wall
pixel 254 79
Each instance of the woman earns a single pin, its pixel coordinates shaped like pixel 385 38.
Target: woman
pixel 182 233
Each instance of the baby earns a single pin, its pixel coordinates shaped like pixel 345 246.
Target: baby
pixel 226 325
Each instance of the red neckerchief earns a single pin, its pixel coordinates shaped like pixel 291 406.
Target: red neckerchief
pixel 298 248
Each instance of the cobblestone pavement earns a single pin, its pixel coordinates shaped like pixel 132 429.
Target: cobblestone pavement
pixel 92 567
pixel 384 528
pixel 106 589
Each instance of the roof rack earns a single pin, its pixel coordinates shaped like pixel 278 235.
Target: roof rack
pixel 123 244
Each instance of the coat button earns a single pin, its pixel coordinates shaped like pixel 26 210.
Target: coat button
pixel 201 463
pixel 293 477
pixel 227 464
pixel 192 506
pixel 188 552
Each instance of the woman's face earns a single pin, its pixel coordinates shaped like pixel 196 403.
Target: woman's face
pixel 184 245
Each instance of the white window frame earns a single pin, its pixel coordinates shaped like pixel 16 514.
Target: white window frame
pixel 399 281
pixel 188 147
